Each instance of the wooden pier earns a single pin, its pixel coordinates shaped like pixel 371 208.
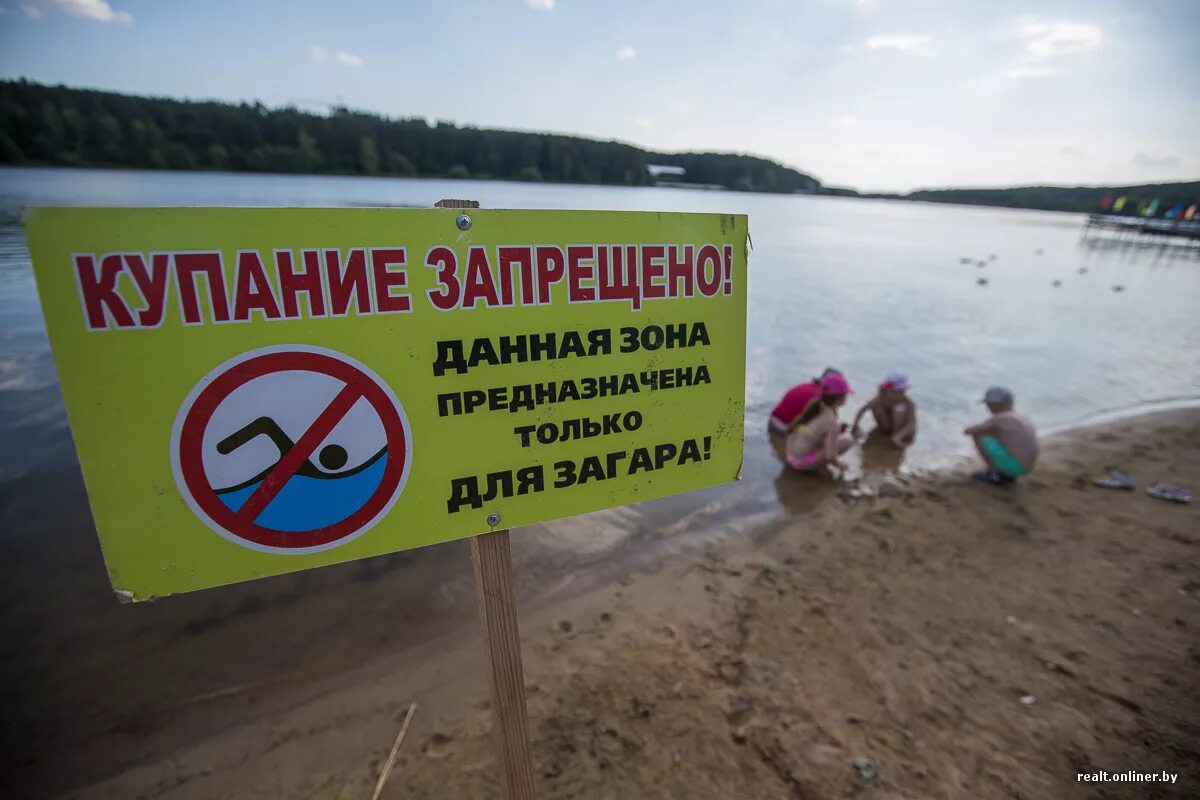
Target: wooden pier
pixel 1166 231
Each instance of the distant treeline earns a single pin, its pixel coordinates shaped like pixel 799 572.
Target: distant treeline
pixel 1078 198
pixel 61 126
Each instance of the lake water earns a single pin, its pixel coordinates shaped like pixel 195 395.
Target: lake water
pixel 868 286
pixel 865 285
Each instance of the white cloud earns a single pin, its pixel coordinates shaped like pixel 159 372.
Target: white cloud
pixel 1072 151
pixel 910 44
pixel 540 5
pixel 1045 47
pixel 1050 39
pixel 322 55
pixel 626 53
pixel 643 123
pixel 1006 78
pixel 1147 160
pixel 1020 72
pixel 98 10
pixel 842 121
pixel 865 6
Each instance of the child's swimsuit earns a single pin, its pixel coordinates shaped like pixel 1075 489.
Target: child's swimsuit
pixel 806 445
pixel 1002 460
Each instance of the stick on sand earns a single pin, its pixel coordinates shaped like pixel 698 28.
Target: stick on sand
pixel 391 759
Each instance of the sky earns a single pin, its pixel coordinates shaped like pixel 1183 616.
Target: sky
pixel 886 95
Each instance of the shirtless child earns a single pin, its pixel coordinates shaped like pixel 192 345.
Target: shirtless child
pixel 894 411
pixel 1006 440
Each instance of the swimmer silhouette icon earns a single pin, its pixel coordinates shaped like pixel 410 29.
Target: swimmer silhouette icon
pixel 332 457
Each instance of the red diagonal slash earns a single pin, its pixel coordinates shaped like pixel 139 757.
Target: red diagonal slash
pixel 292 459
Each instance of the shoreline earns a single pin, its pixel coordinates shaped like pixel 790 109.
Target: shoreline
pixel 1107 416
pixel 610 648
pixel 882 197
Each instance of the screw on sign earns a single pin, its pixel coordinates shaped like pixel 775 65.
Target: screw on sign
pixel 291 449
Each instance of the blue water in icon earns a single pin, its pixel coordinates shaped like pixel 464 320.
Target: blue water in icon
pixel 306 504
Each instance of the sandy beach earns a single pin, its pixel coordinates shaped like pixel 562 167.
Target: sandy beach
pixel 946 639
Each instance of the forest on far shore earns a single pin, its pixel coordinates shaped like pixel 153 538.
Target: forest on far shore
pixel 61 126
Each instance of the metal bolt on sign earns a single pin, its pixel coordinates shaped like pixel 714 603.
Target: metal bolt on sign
pixel 493 520
pixel 463 222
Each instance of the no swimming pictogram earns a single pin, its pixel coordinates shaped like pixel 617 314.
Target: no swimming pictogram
pixel 291 449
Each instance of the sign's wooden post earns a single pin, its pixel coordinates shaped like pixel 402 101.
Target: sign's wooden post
pixel 494 584
pixel 491 558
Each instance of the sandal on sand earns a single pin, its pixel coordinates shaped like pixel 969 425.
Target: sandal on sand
pixel 1113 478
pixel 992 477
pixel 1167 491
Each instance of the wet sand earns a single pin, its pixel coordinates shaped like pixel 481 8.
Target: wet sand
pixel 903 629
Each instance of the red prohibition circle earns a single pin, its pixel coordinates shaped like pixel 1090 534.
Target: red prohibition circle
pixel 242 526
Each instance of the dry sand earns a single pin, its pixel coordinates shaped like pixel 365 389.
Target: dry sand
pixel 902 631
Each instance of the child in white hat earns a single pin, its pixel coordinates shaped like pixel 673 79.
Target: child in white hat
pixel 894 411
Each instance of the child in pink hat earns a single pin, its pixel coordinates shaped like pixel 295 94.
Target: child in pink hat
pixel 894 411
pixel 787 412
pixel 817 442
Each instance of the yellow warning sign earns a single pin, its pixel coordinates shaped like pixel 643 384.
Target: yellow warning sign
pixel 258 391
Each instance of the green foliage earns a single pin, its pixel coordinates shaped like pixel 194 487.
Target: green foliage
pixel 398 164
pixel 10 152
pixel 110 138
pixel 218 156
pixel 180 156
pixel 58 125
pixel 310 155
pixel 368 155
pixel 738 172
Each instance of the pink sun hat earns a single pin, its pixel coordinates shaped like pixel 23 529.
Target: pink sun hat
pixel 835 383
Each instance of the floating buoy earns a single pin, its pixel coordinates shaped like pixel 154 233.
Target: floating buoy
pixel 1056 283
pixel 981 281
pixel 1118 288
